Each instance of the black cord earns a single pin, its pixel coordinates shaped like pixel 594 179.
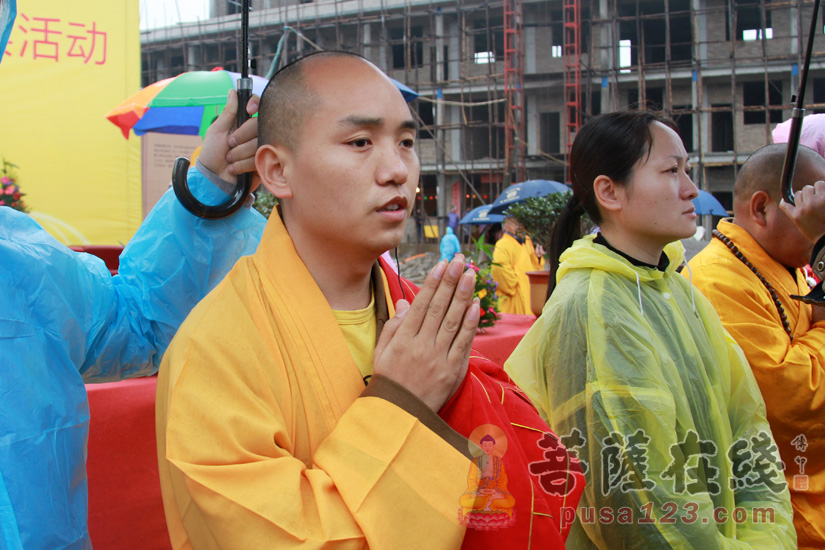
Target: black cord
pixel 398 272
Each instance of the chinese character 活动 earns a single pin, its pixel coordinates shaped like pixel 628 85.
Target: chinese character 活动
pixel 91 43
pixel 45 47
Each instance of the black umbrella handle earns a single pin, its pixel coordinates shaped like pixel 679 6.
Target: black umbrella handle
pixel 244 184
pixel 790 156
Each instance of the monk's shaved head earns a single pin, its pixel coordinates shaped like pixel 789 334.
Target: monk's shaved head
pixel 757 195
pixel 763 172
pixel 288 98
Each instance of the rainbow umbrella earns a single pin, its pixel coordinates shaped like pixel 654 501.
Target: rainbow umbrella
pixel 126 115
pixel 185 104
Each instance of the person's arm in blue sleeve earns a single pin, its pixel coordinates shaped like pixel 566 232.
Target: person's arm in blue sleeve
pixel 118 327
pixel 172 262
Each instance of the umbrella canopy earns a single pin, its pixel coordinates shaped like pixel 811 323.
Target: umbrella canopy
pixel 185 104
pixel 127 113
pixel 523 191
pixel 405 90
pixel 481 215
pixel 706 203
pixel 188 103
pixel 813 132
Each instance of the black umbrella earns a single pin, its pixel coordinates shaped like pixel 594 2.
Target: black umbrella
pixel 798 113
pixel 244 185
pixel 817 295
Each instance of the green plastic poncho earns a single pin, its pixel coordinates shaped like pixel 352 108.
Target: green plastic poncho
pixel 634 370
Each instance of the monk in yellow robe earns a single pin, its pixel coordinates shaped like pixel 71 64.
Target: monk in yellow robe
pixel 535 253
pixel 510 266
pixel 749 271
pixel 305 402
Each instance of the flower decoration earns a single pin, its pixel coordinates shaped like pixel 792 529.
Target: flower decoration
pixel 10 194
pixel 486 287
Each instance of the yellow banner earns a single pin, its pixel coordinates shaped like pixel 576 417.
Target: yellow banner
pixel 67 64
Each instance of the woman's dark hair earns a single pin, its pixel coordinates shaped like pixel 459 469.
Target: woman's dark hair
pixel 607 145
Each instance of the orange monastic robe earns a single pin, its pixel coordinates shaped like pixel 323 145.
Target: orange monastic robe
pixel 510 266
pixel 265 439
pixel 791 374
pixel 536 263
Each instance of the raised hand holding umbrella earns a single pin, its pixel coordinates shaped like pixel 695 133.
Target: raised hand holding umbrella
pixel 817 295
pixel 244 183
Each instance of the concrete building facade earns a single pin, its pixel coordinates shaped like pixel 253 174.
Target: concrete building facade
pixel 503 84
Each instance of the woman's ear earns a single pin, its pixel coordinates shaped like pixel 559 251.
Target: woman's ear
pixel 271 162
pixel 609 195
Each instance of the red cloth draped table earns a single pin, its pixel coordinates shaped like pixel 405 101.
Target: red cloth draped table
pixel 499 341
pixel 125 506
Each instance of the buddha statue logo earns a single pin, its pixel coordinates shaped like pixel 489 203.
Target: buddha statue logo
pixel 487 504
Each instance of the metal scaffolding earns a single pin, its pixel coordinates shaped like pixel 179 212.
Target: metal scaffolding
pixel 505 84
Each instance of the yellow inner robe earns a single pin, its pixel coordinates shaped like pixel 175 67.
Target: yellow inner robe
pixel 536 263
pixel 359 329
pixel 511 275
pixel 264 440
pixel 790 374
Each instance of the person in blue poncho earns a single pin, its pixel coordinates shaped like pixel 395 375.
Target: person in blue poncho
pixel 64 320
pixel 449 245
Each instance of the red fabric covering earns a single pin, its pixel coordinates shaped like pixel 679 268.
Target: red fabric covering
pixel 542 475
pixel 498 342
pixel 125 507
pixel 109 254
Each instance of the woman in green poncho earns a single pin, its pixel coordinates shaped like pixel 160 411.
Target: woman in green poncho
pixel 632 366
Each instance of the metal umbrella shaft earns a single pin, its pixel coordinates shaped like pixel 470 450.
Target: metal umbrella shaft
pixel 817 295
pixel 244 183
pixel 798 113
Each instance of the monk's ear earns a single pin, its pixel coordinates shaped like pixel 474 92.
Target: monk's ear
pixel 270 162
pixel 609 195
pixel 757 207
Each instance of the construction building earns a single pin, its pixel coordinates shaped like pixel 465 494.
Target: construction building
pixel 505 84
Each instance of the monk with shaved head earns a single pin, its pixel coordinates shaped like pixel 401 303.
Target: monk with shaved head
pixel 749 272
pixel 316 399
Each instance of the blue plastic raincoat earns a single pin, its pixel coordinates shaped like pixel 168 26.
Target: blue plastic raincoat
pixel 65 320
pixel 634 370
pixel 449 245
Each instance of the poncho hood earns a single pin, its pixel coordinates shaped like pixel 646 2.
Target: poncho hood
pixel 585 254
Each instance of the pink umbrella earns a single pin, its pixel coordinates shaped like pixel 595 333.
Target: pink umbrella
pixel 813 132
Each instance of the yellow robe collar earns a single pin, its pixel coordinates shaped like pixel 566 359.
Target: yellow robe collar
pixel 291 289
pixel 772 270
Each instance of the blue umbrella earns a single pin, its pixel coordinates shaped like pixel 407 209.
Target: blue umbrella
pixel 405 90
pixel 706 203
pixel 481 215
pixel 524 190
pixel 8 11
